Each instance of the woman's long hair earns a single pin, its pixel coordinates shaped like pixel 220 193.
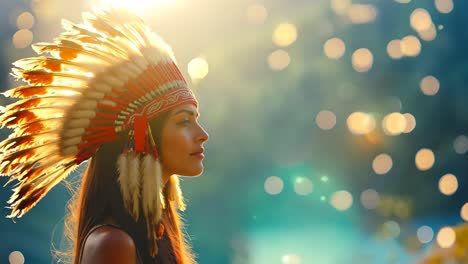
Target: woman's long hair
pixel 99 197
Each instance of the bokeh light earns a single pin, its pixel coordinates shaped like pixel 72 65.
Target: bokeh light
pixel 257 13
pixel 341 200
pixel 274 185
pixel 382 163
pixel 403 1
pixel 391 229
pixel 198 68
pixel 410 123
pixel 420 19
pixel 370 199
pixel 394 124
pixel 360 14
pixel 464 212
pixel 303 186
pixel 425 234
pixel 394 49
pixel 460 144
pixel 25 21
pixel 325 120
pixel 340 7
pixel 446 237
pixel 278 60
pixel 448 184
pixel 22 38
pixel 444 6
pixel 291 259
pixel 362 60
pixel 16 257
pixel 360 123
pixel 334 48
pixel 140 7
pixel 429 34
pixel 410 46
pixel 285 34
pixel 429 85
pixel 424 159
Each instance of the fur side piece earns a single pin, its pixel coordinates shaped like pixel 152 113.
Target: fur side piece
pixel 174 192
pixel 133 182
pixel 151 189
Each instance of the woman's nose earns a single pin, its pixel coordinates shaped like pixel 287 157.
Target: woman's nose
pixel 203 135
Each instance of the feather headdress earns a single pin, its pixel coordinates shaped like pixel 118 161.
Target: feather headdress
pixel 109 74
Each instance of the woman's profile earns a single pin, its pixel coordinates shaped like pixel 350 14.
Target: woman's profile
pixel 110 93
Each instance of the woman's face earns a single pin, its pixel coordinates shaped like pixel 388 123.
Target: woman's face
pixel 182 140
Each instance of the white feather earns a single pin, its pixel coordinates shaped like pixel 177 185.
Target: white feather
pixel 78 123
pixel 71 142
pixel 69 151
pixel 73 132
pixel 151 188
pixel 133 172
pixel 122 168
pixel 88 104
pixel 83 114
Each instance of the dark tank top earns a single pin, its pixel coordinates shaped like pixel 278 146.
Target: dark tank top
pixel 165 249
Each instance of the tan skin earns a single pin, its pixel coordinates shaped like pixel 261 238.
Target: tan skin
pixel 184 136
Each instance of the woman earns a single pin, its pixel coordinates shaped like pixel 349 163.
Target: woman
pixel 110 92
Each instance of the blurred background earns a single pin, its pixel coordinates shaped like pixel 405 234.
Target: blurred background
pixel 338 128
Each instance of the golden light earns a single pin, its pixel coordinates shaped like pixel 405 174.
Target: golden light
pixel 25 20
pixel 382 163
pixel 370 199
pixel 444 6
pixel 362 60
pixel 140 7
pixel 464 212
pixel 420 19
pixel 303 186
pixel 446 237
pixel 325 120
pixel 429 34
pixel 285 34
pixel 410 46
pixel 16 257
pixel 257 14
pixel 279 60
pixel 340 7
pixel 403 1
pixel 424 159
pixel 391 229
pixel 429 85
pixel 360 123
pixel 273 185
pixel 460 144
pixel 291 259
pixel 341 200
pixel 394 124
pixel 334 48
pixel 198 68
pixel 448 184
pixel 410 123
pixel 361 14
pixel 394 49
pixel 22 38
pixel 425 234
pixel 402 209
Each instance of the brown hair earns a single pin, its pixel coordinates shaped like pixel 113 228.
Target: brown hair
pixel 99 197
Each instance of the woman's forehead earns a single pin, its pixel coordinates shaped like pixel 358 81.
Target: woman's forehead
pixel 188 106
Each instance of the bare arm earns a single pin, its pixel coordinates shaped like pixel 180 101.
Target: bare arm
pixel 109 245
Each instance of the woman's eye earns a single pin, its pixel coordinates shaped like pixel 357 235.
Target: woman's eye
pixel 185 121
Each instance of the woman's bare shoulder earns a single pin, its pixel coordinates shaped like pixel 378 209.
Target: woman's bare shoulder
pixel 107 244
